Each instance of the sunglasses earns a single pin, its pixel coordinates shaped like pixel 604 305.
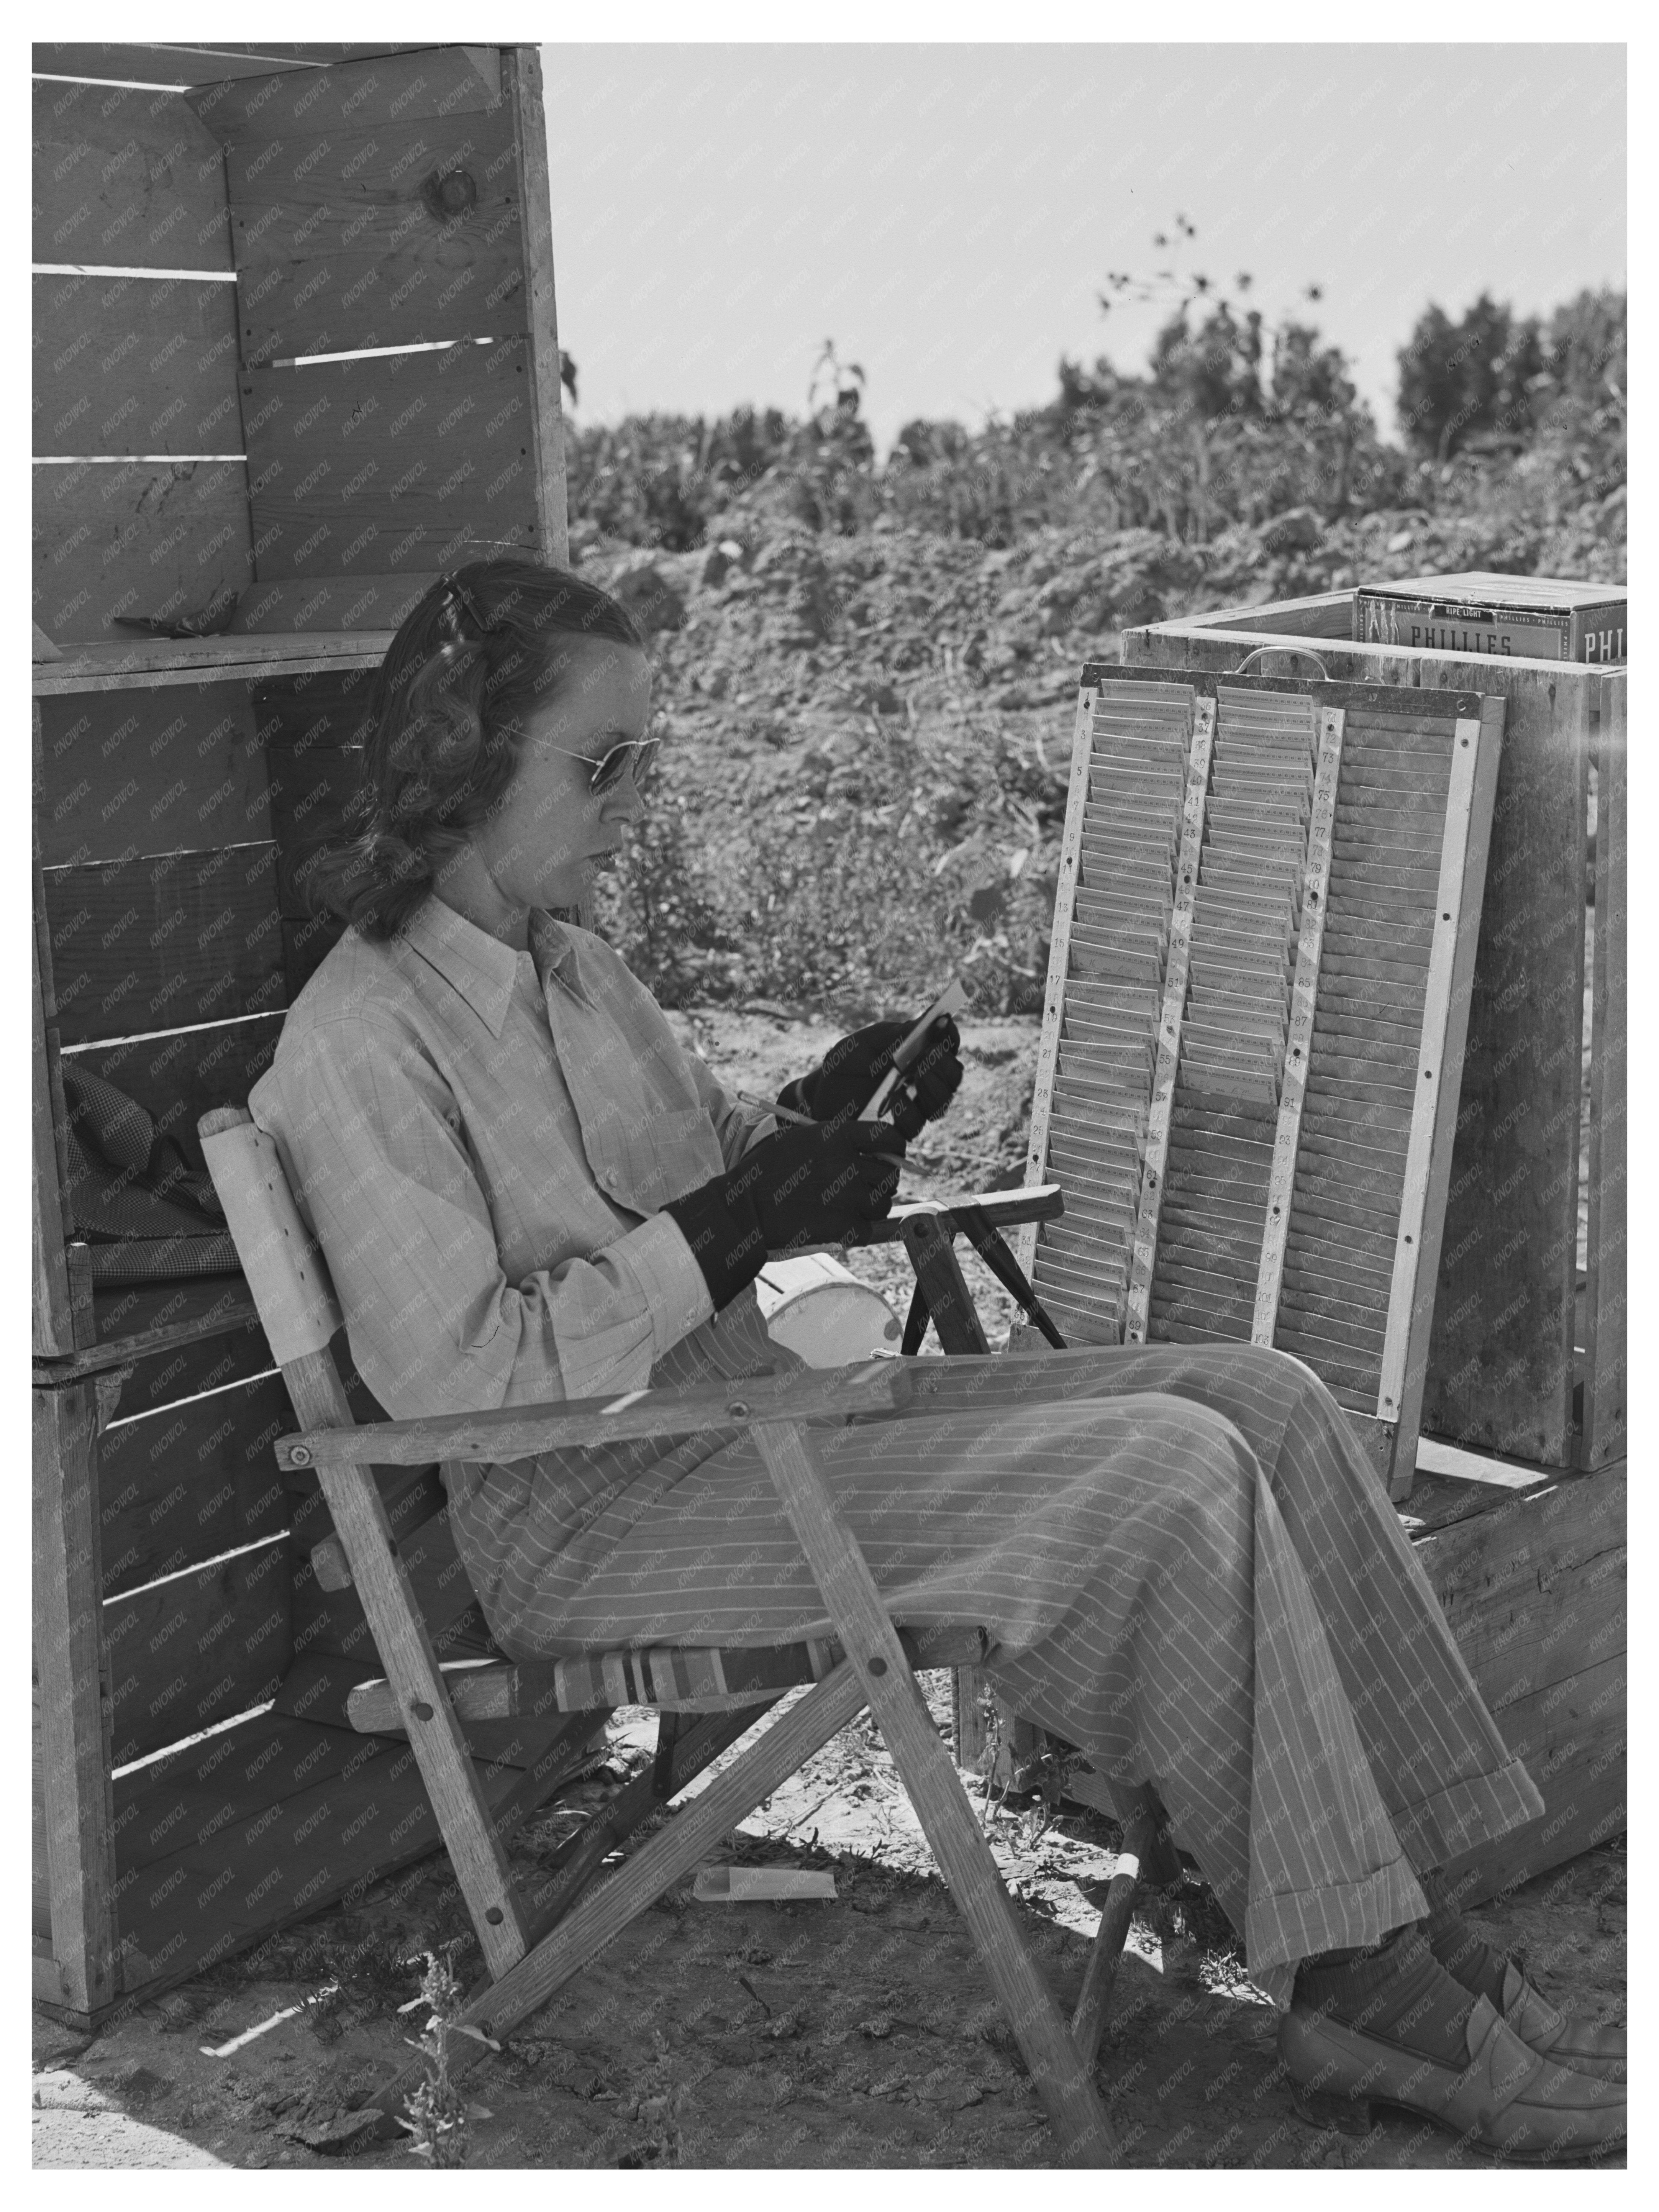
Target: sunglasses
pixel 636 754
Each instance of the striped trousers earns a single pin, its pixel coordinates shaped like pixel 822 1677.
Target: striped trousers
pixel 1186 1565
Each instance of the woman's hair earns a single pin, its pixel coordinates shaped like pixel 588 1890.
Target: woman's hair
pixel 484 649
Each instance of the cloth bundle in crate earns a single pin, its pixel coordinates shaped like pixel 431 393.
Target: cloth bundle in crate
pixel 1259 986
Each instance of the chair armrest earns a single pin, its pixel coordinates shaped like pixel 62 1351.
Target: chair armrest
pixel 1002 1209
pixel 520 1432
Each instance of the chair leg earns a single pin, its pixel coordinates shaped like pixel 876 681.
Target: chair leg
pixel 672 1852
pixel 464 1820
pixel 1062 2079
pixel 942 1283
pixel 1140 1841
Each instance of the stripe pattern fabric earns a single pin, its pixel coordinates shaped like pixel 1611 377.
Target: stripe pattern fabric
pixel 1186 1566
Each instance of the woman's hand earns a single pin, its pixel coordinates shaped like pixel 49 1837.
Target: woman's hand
pixel 841 1084
pixel 807 1185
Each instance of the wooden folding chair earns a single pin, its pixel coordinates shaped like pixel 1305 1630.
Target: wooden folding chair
pixel 534 1941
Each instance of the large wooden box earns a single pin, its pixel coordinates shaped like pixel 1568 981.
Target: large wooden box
pixel 353 387
pixel 1527 1354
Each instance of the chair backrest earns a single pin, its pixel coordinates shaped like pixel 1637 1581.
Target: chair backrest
pixel 285 1268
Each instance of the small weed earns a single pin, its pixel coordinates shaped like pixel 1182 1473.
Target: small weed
pixel 438 2118
pixel 655 2103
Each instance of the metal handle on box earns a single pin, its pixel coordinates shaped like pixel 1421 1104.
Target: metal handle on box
pixel 1297 651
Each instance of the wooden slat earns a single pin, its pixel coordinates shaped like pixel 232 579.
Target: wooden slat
pixel 187 1370
pixel 212 1793
pixel 330 1617
pixel 1298 1045
pixel 186 1653
pixel 412 1497
pixel 160 64
pixel 52 1326
pixel 1508 1337
pixel 939 1276
pixel 183 1485
pixel 393 234
pixel 406 458
pixel 127 365
pixel 1433 1076
pixel 370 605
pixel 1170 1013
pixel 134 537
pixel 407 83
pixel 1605 1377
pixel 75 1711
pixel 1445 1026
pixel 125 179
pixel 522 83
pixel 179 1076
pixel 1004 1209
pixel 1059 2075
pixel 165 943
pixel 521 1432
pixel 136 1321
pixel 123 774
pixel 159 664
pixel 1047 1058
pixel 405 1651
pixel 1536 1592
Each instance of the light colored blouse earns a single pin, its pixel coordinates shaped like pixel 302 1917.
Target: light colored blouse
pixel 481 1141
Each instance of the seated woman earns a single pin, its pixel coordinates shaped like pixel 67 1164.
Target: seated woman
pixel 526 1188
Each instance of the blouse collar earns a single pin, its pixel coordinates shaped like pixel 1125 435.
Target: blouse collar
pixel 478 967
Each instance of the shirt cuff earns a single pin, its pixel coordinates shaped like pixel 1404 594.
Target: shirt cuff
pixel 670 1278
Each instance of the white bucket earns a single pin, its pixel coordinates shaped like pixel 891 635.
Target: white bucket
pixel 818 1310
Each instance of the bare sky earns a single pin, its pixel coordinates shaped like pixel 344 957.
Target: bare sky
pixel 948 214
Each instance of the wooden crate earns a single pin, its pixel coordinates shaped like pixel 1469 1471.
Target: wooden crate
pixel 324 200
pixel 1527 1355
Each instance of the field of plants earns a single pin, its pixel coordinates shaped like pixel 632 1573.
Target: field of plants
pixel 864 667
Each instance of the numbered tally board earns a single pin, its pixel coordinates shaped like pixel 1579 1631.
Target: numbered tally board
pixel 1252 1044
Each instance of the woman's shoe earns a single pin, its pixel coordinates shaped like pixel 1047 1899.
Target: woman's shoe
pixel 1586 2046
pixel 1509 2099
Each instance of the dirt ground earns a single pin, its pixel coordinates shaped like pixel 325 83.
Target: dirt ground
pixel 856 2032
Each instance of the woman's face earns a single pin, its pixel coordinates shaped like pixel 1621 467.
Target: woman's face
pixel 552 833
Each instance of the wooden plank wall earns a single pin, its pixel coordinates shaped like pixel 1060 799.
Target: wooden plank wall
pixel 127 367
pixel 383 204
pixel 1534 1592
pixel 312 729
pixel 72 1679
pixel 390 201
pixel 392 197
pixel 1501 1367
pixel 180 64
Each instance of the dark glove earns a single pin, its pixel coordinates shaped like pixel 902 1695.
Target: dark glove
pixel 843 1079
pixel 804 1186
